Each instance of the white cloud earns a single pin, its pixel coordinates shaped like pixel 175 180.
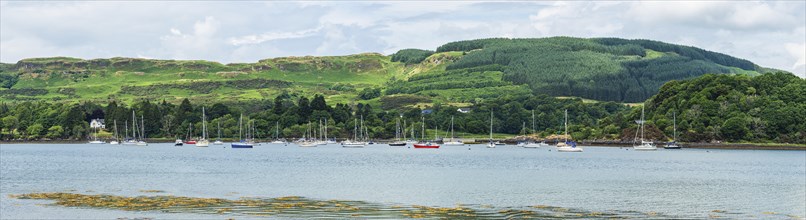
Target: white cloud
pixel 270 36
pixel 770 34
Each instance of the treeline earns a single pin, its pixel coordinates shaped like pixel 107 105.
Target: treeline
pixel 290 117
pixel 411 56
pixel 602 69
pixel 770 107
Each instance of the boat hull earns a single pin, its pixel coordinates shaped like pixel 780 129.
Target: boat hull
pixel 453 144
pixel 676 147
pixel 432 146
pixel 241 145
pixel 202 144
pixel 397 144
pixel 569 149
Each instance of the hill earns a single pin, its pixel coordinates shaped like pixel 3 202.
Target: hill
pixel 458 73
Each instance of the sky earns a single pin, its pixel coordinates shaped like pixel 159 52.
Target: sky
pixel 768 33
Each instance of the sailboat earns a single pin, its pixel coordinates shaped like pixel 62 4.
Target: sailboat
pixel 453 141
pixel 95 137
pixel 117 140
pixel 413 138
pixel 645 145
pixel 491 144
pixel 218 140
pixel 426 144
pixel 243 142
pixel 357 141
pixel 142 140
pixel 307 139
pixel 277 139
pixel 532 144
pixel 328 140
pixel 673 144
pixel 398 142
pixel 203 142
pixel 567 146
pixel 129 140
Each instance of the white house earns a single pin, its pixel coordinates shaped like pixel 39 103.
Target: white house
pixel 97 123
pixel 463 110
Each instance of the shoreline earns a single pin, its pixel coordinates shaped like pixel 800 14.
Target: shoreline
pixel 727 146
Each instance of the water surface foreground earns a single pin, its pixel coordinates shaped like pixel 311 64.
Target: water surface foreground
pixel 390 182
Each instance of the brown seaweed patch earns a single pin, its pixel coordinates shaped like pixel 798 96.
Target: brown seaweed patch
pixel 302 207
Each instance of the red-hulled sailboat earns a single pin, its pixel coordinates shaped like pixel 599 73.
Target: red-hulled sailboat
pixel 426 144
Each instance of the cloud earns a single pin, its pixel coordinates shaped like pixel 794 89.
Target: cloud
pixel 770 34
pixel 270 36
pixel 202 40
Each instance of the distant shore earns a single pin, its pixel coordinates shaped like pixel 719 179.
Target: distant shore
pixel 733 146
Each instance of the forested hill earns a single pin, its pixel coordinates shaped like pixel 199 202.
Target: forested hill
pixel 460 73
pixel 770 107
pixel 607 69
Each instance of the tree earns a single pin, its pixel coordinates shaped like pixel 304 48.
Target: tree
pixel 735 128
pixel 35 130
pixel 55 131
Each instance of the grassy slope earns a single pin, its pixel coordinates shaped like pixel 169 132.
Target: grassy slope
pixel 309 75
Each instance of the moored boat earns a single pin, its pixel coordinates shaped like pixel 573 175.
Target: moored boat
pixel 567 146
pixel 673 144
pixel 426 145
pixel 645 145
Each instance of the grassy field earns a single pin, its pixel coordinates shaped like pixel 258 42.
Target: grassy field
pixel 70 79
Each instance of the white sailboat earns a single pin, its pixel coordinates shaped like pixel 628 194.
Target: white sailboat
pixel 453 141
pixel 567 146
pixel 117 140
pixel 129 140
pixel 673 144
pixel 307 139
pixel 645 145
pixel 142 140
pixel 277 139
pixel 532 144
pixel 203 142
pixel 491 144
pixel 357 141
pixel 95 137
pixel 218 140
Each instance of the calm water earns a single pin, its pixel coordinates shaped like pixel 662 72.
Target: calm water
pixel 687 183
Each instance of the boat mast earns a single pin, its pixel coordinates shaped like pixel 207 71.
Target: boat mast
pixel 453 134
pixel 533 121
pixel 566 125
pixel 397 129
pixel 219 130
pixel 423 125
pixel 204 125
pixel 355 129
pixel 134 126
pixel 143 127
pixel 240 127
pixel 642 124
pixel 126 125
pixel 674 119
pixel 491 125
pixel 116 130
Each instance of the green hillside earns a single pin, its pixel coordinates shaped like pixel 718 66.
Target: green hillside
pixel 599 68
pixel 457 73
